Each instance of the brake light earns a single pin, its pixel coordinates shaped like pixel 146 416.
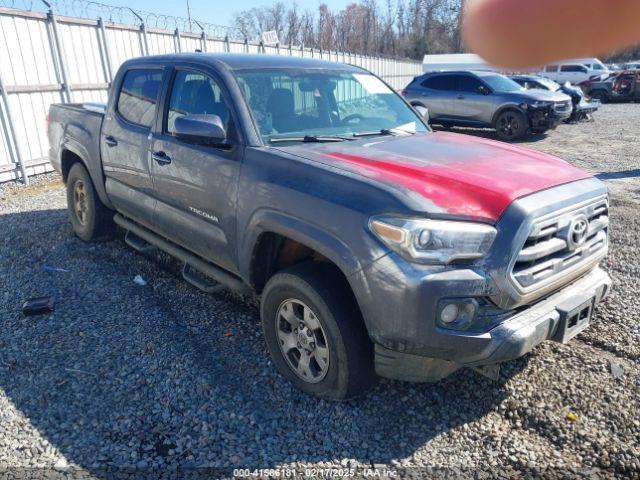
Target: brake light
pixel 403 93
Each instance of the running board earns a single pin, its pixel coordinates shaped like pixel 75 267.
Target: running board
pixel 200 283
pixel 138 243
pixel 193 261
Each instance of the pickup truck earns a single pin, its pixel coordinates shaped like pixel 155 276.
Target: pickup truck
pixel 376 246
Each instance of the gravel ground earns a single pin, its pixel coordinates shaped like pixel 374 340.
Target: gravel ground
pixel 123 376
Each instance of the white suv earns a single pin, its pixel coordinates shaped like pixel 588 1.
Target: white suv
pixel 575 71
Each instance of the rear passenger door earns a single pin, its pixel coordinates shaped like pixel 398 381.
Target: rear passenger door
pixel 124 141
pixel 196 185
pixel 471 105
pixel 438 92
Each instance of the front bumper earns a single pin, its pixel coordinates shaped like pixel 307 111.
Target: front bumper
pixel 546 117
pixel 511 339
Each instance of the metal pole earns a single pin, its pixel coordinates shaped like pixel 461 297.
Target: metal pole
pixel 227 45
pixel 189 16
pixel 144 44
pixel 203 36
pixel 104 54
pixel 63 66
pixel 176 40
pixel 14 138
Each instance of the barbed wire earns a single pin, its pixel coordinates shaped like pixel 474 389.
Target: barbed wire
pixel 124 15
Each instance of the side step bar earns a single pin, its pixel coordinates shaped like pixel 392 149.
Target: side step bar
pixel 191 261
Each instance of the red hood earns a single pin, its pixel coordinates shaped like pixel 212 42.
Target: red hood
pixel 458 174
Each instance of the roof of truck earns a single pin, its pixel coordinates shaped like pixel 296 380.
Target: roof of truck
pixel 236 61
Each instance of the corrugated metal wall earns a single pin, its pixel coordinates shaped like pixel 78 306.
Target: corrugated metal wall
pixel 46 59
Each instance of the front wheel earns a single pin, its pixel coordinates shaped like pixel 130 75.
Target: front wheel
pixel 315 333
pixel 600 95
pixel 511 125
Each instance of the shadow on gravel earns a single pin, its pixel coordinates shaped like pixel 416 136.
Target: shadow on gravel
pixel 128 376
pixel 634 172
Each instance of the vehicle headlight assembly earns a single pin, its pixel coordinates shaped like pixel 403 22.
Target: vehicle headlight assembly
pixel 538 104
pixel 436 242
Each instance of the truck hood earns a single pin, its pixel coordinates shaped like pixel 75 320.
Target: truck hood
pixel 540 95
pixel 447 173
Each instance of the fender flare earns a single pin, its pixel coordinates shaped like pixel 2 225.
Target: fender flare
pixel 96 173
pixel 504 108
pixel 313 236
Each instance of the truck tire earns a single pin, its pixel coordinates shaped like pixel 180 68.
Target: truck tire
pixel 90 218
pixel 315 333
pixel 511 125
pixel 599 95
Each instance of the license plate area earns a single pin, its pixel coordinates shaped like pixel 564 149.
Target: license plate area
pixel 575 316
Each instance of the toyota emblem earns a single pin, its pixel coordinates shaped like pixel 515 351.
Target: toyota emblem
pixel 578 231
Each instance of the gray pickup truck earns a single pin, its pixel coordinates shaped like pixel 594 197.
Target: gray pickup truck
pixel 376 246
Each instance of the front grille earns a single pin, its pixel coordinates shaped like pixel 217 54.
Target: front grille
pixel 562 107
pixel 556 245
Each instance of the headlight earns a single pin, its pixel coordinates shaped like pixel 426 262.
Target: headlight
pixel 433 241
pixel 538 104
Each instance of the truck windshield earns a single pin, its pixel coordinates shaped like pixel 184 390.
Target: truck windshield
pixel 500 83
pixel 297 103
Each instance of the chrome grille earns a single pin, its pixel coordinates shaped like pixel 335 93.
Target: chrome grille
pixel 556 245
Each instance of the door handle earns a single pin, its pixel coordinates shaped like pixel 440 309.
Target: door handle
pixel 423 94
pixel 161 158
pixel 460 97
pixel 109 140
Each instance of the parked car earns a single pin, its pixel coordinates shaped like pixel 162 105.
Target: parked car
pixel 376 246
pixel 487 100
pixel 621 87
pixel 582 108
pixel 631 66
pixel 575 71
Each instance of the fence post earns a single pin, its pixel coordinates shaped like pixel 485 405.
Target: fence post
pixel 176 41
pixel 246 45
pixel 290 50
pixel 227 45
pixel 12 132
pixel 203 41
pixel 105 55
pixel 144 44
pixel 57 48
pixel 302 49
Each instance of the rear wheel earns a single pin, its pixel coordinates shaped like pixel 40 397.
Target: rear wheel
pixel 90 218
pixel 511 125
pixel 315 333
pixel 600 95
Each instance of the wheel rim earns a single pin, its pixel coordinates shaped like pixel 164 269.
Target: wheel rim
pixel 80 201
pixel 509 125
pixel 302 340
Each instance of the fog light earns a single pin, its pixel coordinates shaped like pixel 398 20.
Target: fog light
pixel 457 313
pixel 449 313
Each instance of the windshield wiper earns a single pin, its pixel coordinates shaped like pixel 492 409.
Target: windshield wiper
pixel 310 139
pixel 384 131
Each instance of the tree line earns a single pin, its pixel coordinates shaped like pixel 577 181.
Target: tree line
pixel 397 28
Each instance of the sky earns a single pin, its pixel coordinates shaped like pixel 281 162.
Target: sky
pixel 216 11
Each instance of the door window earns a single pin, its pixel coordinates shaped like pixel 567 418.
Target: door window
pixel 573 68
pixel 139 96
pixel 551 68
pixel 194 93
pixel 469 84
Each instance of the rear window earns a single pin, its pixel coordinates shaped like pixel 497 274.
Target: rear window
pixel 551 68
pixel 139 96
pixel 441 82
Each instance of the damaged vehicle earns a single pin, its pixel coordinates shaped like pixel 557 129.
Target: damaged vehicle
pixel 621 87
pixel 376 246
pixel 583 109
pixel 487 100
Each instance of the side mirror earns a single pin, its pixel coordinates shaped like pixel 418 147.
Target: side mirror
pixel 483 90
pixel 423 112
pixel 206 129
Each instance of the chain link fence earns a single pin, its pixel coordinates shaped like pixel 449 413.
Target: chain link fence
pixel 69 51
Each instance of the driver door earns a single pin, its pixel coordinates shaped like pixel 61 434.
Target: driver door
pixel 196 185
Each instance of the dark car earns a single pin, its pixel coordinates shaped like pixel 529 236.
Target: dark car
pixel 620 87
pixel 375 246
pixel 487 100
pixel 582 108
